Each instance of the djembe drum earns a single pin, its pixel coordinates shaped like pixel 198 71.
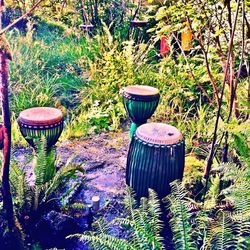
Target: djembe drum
pixel 155 159
pixel 140 103
pixel 37 122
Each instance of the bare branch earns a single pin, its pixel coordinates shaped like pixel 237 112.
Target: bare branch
pixel 230 47
pixel 192 74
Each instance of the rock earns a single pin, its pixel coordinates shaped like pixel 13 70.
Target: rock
pixel 52 229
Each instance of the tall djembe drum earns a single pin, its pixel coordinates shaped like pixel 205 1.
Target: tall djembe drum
pixel 140 103
pixel 39 122
pixel 155 158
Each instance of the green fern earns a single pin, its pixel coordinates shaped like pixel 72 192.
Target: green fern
pixel 241 222
pixel 142 224
pixel 238 193
pixel 213 193
pixel 44 162
pixel 61 177
pixel 223 230
pixel 180 221
pixel 222 233
pixel 22 192
pixel 106 242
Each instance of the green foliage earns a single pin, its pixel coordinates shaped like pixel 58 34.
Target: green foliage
pixel 213 193
pixel 62 176
pixel 180 225
pixel 204 229
pixel 193 173
pixel 22 192
pixel 142 223
pixel 44 162
pixel 28 197
pixel 240 132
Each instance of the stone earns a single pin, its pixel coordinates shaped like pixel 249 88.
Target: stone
pixel 53 228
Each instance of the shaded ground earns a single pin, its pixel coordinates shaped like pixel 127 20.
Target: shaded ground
pixel 103 157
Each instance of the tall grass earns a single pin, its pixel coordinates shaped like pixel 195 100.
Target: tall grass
pixel 83 77
pixel 47 69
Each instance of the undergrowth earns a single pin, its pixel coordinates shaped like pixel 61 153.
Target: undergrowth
pixel 221 222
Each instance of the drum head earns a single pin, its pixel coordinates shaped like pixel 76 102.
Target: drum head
pixel 141 90
pixel 40 116
pixel 159 133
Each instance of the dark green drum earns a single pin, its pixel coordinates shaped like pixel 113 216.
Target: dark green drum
pixel 140 103
pixel 37 122
pixel 155 158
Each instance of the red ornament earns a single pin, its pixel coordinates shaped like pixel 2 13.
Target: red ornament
pixel 164 48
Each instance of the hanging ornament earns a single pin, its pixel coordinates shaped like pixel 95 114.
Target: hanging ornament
pixel 164 47
pixel 186 39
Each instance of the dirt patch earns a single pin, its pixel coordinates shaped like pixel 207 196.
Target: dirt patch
pixel 103 157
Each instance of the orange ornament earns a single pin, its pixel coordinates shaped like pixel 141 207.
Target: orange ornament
pixel 186 39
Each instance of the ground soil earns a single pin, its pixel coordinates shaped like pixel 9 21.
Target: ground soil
pixel 103 156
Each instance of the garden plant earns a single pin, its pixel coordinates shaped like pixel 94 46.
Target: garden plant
pixel 79 57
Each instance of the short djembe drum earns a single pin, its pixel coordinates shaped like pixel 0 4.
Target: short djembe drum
pixel 140 103
pixel 37 122
pixel 155 159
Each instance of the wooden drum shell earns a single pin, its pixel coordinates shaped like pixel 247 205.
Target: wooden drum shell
pixel 154 166
pixel 51 132
pixel 140 108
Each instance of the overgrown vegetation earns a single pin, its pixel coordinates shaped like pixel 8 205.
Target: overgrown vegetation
pixel 143 226
pixel 211 225
pixel 34 197
pixel 204 92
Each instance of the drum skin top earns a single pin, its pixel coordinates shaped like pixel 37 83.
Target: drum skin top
pixel 40 116
pixel 141 90
pixel 159 133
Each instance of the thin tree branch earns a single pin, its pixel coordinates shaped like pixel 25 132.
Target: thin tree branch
pixel 209 71
pixel 211 155
pixel 2 31
pixel 234 88
pixel 241 62
pixel 192 74
pixel 137 9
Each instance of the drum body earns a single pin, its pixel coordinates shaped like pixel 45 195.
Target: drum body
pixel 154 165
pixel 140 105
pixel 49 125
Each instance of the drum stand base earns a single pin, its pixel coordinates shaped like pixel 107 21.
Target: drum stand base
pixel 133 128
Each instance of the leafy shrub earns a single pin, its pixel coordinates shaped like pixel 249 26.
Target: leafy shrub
pixel 193 225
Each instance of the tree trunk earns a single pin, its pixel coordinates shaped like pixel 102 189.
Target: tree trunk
pixel 6 192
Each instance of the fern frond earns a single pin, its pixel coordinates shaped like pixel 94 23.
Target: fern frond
pixel 180 225
pixel 100 226
pixel 241 221
pixel 62 176
pixel 129 201
pixel 223 237
pixel 20 188
pixel 44 162
pixel 154 211
pixel 105 241
pixel 142 225
pixel 213 193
